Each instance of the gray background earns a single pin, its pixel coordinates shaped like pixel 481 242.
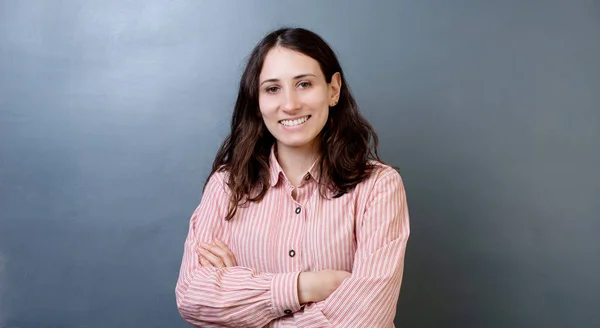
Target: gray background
pixel 111 113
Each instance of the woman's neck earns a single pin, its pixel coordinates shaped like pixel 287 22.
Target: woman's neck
pixel 296 161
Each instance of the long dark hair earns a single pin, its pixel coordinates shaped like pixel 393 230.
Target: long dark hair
pixel 348 142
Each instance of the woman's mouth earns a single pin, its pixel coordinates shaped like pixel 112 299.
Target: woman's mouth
pixel 296 122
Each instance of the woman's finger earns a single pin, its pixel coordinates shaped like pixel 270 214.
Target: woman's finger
pixel 214 260
pixel 229 252
pixel 222 253
pixel 203 261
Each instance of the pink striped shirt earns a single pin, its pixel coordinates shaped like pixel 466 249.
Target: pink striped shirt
pixel 364 232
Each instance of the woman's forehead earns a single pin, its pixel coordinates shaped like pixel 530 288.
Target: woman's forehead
pixel 283 63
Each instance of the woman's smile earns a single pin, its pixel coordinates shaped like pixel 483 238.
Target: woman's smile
pixel 294 122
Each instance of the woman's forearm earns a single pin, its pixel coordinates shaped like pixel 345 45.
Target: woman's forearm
pixel 317 286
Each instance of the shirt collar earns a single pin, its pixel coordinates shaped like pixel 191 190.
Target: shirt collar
pixel 276 172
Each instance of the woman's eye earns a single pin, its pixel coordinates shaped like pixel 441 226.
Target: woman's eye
pixel 304 85
pixel 272 89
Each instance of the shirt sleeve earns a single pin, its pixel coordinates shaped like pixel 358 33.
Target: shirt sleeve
pixel 368 298
pixel 233 296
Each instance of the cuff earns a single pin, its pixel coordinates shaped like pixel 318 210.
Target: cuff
pixel 284 293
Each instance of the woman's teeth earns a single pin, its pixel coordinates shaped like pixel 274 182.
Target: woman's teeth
pixel 294 122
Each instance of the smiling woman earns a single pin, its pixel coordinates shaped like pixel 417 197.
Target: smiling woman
pixel 300 223
pixel 294 104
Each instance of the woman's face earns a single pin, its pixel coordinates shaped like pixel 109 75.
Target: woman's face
pixel 294 97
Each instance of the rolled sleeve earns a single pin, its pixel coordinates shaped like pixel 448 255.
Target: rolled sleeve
pixel 284 293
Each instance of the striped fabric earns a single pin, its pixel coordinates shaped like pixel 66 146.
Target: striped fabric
pixel 364 232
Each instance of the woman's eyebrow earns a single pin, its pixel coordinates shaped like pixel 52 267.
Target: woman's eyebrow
pixel 295 78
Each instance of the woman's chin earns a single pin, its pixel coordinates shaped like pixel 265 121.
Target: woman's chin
pixel 295 143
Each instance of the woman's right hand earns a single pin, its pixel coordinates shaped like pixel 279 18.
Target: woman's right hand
pixel 317 286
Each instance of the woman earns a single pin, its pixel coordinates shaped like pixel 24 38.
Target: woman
pixel 300 223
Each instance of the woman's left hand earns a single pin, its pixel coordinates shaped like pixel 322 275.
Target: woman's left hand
pixel 217 255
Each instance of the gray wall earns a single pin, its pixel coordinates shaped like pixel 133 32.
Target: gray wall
pixel 111 113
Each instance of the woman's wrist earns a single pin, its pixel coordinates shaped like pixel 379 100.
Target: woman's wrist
pixel 306 287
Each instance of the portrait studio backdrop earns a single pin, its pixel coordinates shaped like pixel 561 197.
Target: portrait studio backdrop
pixel 111 113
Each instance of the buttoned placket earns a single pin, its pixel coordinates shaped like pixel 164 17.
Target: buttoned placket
pixel 297 213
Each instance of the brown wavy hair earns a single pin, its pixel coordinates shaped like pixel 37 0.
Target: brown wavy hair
pixel 348 142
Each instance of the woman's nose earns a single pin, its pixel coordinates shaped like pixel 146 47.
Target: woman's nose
pixel 291 101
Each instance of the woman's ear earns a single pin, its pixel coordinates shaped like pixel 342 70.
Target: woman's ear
pixel 335 86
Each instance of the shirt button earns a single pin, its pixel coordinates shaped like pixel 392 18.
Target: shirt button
pixel 292 253
pixel 298 210
pixel 307 176
pixel 287 312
